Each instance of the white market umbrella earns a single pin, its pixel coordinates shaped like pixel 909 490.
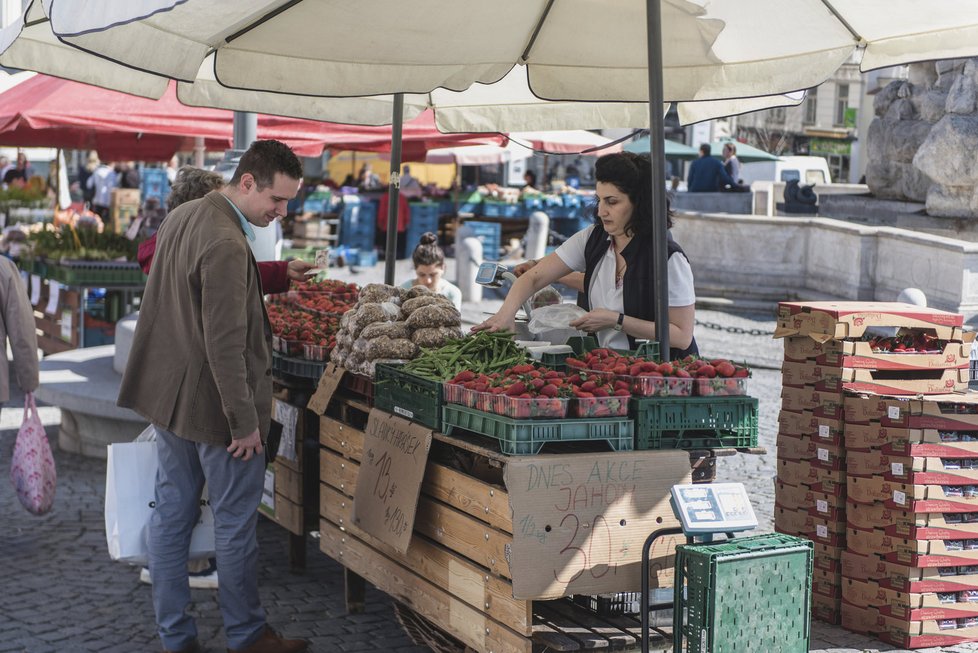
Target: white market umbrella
pixel 478 155
pixel 587 50
pixel 568 141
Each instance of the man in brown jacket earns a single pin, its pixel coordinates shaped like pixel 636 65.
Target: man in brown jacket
pixel 17 326
pixel 200 371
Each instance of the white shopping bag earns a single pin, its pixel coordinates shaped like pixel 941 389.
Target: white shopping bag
pixel 130 494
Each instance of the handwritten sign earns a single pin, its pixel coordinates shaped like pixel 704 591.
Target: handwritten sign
pixel 35 289
pixel 328 382
pixel 54 296
pixel 268 491
pixel 579 520
pixel 395 452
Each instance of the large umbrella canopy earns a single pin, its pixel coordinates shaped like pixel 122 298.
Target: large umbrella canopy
pixel 51 112
pixel 478 155
pixel 630 50
pixel 573 49
pixel 569 141
pixel 672 148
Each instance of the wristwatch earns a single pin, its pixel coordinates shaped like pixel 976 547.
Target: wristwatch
pixel 621 321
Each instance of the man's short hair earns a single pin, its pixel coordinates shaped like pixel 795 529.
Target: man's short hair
pixel 265 158
pixel 706 149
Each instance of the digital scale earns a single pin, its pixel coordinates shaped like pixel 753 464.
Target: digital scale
pixel 704 510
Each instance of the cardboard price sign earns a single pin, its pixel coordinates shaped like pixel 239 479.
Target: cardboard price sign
pixel 395 452
pixel 579 520
pixel 328 382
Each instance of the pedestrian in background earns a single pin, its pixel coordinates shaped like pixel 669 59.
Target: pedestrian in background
pixel 429 270
pixel 706 174
pixel 200 372
pixel 17 329
pixel 101 182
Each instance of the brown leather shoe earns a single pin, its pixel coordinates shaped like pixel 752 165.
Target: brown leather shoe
pixel 270 642
pixel 193 648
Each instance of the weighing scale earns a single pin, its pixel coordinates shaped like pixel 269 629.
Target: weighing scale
pixel 704 511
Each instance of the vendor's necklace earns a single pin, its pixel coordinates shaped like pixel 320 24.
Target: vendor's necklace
pixel 619 267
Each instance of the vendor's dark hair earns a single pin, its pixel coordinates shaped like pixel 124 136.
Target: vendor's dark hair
pixel 263 159
pixel 428 252
pixel 533 177
pixel 632 174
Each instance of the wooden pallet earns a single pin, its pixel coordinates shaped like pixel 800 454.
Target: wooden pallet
pixel 454 576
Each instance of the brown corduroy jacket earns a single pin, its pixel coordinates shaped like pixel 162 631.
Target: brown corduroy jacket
pixel 200 364
pixel 17 325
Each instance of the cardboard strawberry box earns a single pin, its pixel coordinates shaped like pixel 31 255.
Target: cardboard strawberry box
pixel 948 412
pixel 860 355
pixel 799 522
pixel 924 634
pixel 796 423
pixel 825 429
pixel 800 497
pixel 822 404
pixel 912 498
pixel 828 557
pixel 863 593
pixel 902 382
pixel 851 319
pixel 911 442
pixel 912 525
pixel 905 578
pixel 827 583
pixel 914 470
pixel 825 609
pixel 859 620
pixel 812 449
pixel 930 605
pixel 868 516
pixel 819 479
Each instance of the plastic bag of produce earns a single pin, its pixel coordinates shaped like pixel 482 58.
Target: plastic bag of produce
pixel 435 336
pixel 548 296
pixel 389 329
pixel 435 315
pixel 552 323
pixel 379 292
pixel 414 291
pixel 368 314
pixel 411 305
pixel 383 347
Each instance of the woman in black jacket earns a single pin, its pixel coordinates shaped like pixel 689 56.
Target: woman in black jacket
pixel 615 256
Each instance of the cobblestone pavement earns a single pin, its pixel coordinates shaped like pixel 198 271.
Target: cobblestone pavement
pixel 60 593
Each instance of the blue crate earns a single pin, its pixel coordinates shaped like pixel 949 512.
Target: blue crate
pixel 497 209
pixel 317 202
pixel 446 207
pixel 364 258
pixel 569 226
pixel 531 204
pixel 358 223
pixel 490 234
pixel 153 182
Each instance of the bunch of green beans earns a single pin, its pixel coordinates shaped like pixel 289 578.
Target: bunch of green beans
pixel 485 352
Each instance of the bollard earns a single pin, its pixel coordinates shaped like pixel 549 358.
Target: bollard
pixel 468 258
pixel 536 236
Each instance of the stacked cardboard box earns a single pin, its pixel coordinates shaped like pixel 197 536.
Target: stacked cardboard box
pixel 911 568
pixel 827 353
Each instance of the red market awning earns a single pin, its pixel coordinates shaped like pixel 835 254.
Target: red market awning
pixel 51 112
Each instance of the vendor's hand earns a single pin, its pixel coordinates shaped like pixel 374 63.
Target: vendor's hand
pixel 298 268
pixel 597 320
pixel 496 323
pixel 247 446
pixel 524 267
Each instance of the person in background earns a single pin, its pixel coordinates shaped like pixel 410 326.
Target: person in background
pixel 429 270
pixel 368 179
pixel 18 330
pixel 193 183
pixel 84 172
pixel 4 167
pixel 19 174
pixel 172 168
pixel 410 187
pixel 730 162
pixel 349 182
pixel 200 372
pixel 101 182
pixel 128 175
pixel 617 288
pixel 530 179
pixel 706 174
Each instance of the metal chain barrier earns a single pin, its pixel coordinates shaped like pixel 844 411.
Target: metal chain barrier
pixel 735 329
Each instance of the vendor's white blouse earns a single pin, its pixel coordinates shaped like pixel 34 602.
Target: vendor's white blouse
pixel 604 293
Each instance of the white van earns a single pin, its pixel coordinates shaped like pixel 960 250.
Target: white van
pixel 807 170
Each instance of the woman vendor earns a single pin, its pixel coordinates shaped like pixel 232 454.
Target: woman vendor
pixel 614 254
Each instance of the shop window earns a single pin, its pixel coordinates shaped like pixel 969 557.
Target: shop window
pixel 810 116
pixel 841 104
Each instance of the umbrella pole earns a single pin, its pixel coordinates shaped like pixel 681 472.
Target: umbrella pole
pixel 660 230
pixel 397 124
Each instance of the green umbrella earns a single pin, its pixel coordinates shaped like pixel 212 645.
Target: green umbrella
pixel 673 149
pixel 745 152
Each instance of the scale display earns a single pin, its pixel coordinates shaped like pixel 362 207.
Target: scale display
pixel 487 274
pixel 713 508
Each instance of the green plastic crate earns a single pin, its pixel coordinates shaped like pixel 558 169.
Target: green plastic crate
pixel 522 437
pixel 93 273
pixel 297 367
pixel 408 395
pixel 694 422
pixel 744 594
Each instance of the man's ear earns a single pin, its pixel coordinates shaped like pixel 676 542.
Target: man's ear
pixel 247 182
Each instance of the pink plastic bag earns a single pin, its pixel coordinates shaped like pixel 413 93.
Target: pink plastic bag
pixel 32 465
